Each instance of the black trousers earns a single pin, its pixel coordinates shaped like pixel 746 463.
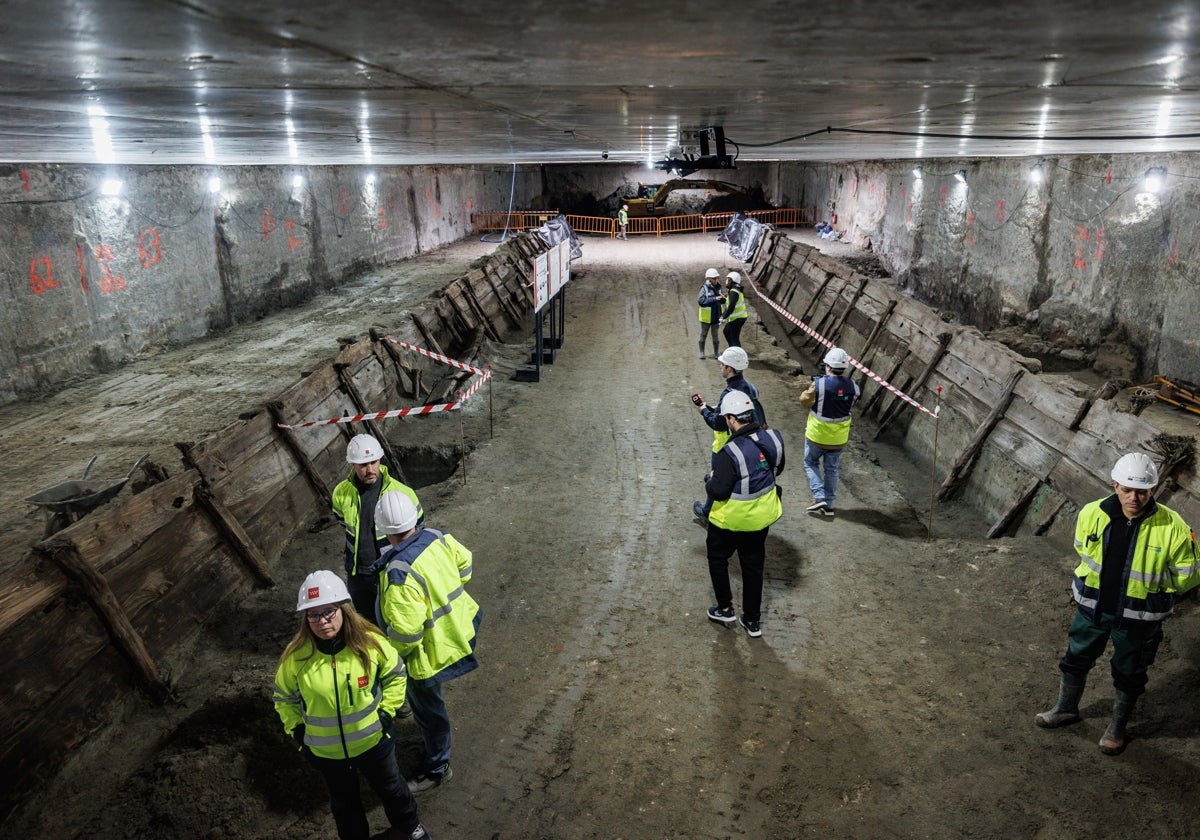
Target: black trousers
pixel 378 766
pixel 733 332
pixel 751 548
pixel 364 590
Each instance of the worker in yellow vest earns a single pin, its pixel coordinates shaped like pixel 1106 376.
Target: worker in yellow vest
pixel 710 300
pixel 828 400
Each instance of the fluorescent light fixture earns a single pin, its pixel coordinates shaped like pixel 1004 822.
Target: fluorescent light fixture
pixel 214 184
pixel 917 173
pixel 1155 176
pixel 961 176
pixel 111 186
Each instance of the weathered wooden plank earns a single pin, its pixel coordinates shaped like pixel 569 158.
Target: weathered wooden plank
pixel 26 588
pixel 966 458
pixel 1029 451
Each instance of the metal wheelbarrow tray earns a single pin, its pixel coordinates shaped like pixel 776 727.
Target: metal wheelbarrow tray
pixel 72 499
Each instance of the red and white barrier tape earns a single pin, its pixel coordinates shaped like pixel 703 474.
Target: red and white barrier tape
pixel 827 343
pixel 484 376
pixel 446 360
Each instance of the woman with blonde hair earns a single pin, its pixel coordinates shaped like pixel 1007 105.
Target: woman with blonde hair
pixel 338 685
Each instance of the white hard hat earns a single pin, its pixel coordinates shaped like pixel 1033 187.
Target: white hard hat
pixel 836 358
pixel 735 357
pixel 734 277
pixel 363 449
pixel 736 403
pixel 395 513
pixel 321 588
pixel 1135 470
pixel 711 273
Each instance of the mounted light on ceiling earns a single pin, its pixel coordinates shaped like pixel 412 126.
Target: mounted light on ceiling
pixel 1037 174
pixel 111 186
pixel 214 184
pixel 918 173
pixel 691 163
pixel 1155 176
pixel 961 176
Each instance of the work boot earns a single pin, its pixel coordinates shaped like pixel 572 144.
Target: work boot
pixel 701 349
pixel 1066 710
pixel 1114 739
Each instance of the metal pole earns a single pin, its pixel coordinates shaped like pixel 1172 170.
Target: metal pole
pixel 937 419
pixel 462 440
pixel 491 408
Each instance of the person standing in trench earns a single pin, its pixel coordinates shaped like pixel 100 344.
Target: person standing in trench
pixel 735 314
pixel 1135 556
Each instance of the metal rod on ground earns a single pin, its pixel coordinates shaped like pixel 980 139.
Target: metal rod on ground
pixel 491 408
pixel 937 419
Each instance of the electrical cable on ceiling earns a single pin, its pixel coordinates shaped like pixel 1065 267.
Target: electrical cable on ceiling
pixel 959 136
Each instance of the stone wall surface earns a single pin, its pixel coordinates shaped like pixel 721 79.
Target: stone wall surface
pixel 1089 254
pixel 90 281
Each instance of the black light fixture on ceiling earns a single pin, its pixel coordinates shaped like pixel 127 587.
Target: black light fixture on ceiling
pixel 711 157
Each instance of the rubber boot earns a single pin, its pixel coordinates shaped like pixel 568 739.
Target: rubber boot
pixel 1114 739
pixel 702 349
pixel 1066 710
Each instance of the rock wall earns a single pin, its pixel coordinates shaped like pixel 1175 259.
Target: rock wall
pixel 91 280
pixel 1089 254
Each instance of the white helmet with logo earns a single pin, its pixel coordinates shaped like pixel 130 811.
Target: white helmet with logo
pixel 1135 470
pixel 395 513
pixel 736 403
pixel 735 357
pixel 836 358
pixel 712 273
pixel 363 449
pixel 321 588
pixel 734 278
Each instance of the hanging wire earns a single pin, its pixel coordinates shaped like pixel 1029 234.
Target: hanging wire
pixel 511 191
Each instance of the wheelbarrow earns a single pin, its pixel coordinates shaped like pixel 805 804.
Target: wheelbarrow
pixel 68 501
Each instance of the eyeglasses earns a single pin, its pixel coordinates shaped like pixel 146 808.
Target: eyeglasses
pixel 318 618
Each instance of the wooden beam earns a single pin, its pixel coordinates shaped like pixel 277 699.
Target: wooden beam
pixel 879 389
pixel 918 383
pixel 962 464
pixel 474 303
pixel 1105 392
pixel 836 329
pixel 870 342
pixel 293 446
pixel 1015 510
pixel 233 532
pixel 373 428
pixel 1044 525
pixel 120 629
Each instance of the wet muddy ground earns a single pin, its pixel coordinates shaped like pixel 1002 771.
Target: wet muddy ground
pixel 891 695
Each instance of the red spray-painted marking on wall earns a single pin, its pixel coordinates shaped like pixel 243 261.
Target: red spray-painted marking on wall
pixel 944 196
pixel 969 237
pixel 267 223
pixel 1000 210
pixel 82 270
pixel 343 201
pixel 149 248
pixel 293 241
pixel 1174 244
pixel 109 282
pixel 25 179
pixel 383 222
pixel 41 280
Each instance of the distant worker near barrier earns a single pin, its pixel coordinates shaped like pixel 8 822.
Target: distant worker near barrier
pixel 827 431
pixel 1135 556
pixel 734 316
pixel 733 362
pixel 746 504
pixel 710 300
pixel 354 501
pixel 623 221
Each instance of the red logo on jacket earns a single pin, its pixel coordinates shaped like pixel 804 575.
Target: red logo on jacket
pixel 362 682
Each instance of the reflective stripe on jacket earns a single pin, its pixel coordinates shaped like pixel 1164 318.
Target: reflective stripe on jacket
pixel 1162 561
pixel 336 700
pixel 345 506
pixel 829 417
pixel 735 308
pixel 754 503
pixel 426 611
pixel 716 420
pixel 709 303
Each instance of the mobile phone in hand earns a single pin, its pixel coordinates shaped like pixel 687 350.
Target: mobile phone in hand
pixel 696 400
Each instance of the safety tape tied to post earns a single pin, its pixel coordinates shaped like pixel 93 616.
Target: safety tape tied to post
pixel 883 383
pixel 398 412
pixel 437 357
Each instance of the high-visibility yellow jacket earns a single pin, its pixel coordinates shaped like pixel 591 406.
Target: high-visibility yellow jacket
pixel 337 700
pixel 346 507
pixel 735 305
pixel 753 504
pixel 427 614
pixel 829 400
pixel 1163 561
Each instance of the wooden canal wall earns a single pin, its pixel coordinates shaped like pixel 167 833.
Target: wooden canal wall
pixel 95 612
pixel 1024 446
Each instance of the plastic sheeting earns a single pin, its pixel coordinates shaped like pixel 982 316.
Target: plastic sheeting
pixel 743 235
pixel 558 229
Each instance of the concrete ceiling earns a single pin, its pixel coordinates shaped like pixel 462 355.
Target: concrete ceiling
pixel 471 81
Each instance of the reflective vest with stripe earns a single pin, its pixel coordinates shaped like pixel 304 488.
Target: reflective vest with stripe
pixel 709 305
pixel 754 503
pixel 346 506
pixel 829 418
pixel 712 416
pixel 1162 561
pixel 424 608
pixel 336 699
pixel 739 305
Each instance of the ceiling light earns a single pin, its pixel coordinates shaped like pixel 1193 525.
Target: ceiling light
pixel 297 182
pixel 961 176
pixel 1155 176
pixel 214 184
pixel 1036 174
pixel 111 186
pixel 917 173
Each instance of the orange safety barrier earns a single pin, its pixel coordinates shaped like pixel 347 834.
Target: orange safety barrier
pixel 641 225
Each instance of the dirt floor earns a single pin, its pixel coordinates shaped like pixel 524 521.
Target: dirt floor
pixel 891 695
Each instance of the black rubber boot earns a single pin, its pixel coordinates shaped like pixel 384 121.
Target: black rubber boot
pixel 1114 739
pixel 1066 710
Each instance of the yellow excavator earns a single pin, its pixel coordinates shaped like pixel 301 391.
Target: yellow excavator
pixel 656 204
